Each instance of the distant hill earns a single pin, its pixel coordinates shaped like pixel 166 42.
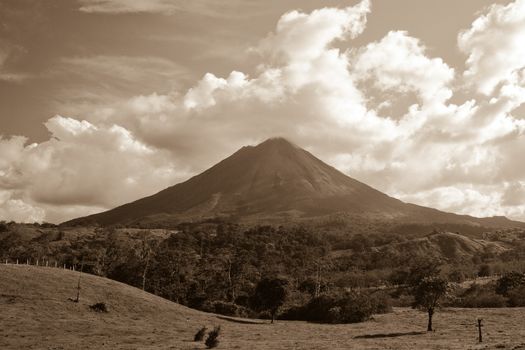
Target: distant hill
pixel 275 181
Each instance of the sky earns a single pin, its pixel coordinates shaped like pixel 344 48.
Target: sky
pixel 106 101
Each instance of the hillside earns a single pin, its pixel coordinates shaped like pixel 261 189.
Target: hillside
pixel 447 245
pixel 275 181
pixel 36 314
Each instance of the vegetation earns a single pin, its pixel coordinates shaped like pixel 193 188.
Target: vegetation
pixel 270 294
pixel 428 294
pixel 199 336
pixel 99 307
pixel 213 338
pixel 331 275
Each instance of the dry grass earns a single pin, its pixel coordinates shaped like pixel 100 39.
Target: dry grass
pixel 36 314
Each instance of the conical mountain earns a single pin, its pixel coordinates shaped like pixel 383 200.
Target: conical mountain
pixel 274 180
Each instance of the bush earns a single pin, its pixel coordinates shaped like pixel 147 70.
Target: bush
pixel 99 307
pixel 484 270
pixel 381 303
pixel 347 308
pixel 517 297
pixel 509 281
pixel 481 300
pixel 200 334
pixel 479 297
pixel 227 309
pixel 213 338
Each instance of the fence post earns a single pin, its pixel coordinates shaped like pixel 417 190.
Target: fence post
pixel 47 263
pixel 17 261
pixel 36 262
pixel 55 263
pixel 480 337
pixel 27 262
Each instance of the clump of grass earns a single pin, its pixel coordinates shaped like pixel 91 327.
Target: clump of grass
pixel 99 307
pixel 213 338
pixel 200 334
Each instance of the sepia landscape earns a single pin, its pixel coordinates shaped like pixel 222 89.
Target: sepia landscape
pixel 296 174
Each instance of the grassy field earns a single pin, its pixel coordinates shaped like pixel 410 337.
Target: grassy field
pixel 36 314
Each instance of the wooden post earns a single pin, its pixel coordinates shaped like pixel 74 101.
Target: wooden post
pixel 27 262
pixel 36 262
pixel 47 263
pixel 78 286
pixel 17 261
pixel 479 329
pixel 56 263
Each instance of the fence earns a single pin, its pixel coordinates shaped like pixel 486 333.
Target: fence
pixel 41 263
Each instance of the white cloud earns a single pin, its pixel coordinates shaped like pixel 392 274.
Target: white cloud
pixel 314 87
pixel 398 62
pixel 494 45
pixel 82 165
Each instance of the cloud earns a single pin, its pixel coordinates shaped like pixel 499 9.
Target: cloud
pixel 494 45
pixel 82 165
pixel 312 85
pixel 127 6
pixel 165 7
pixel 18 210
pixel 398 62
pixel 6 74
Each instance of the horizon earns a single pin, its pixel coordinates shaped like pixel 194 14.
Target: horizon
pixel 103 102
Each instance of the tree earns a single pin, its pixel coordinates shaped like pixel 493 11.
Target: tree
pixel 270 294
pixel 428 294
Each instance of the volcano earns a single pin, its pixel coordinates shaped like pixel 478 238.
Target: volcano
pixel 271 182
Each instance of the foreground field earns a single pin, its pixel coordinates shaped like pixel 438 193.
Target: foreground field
pixel 36 314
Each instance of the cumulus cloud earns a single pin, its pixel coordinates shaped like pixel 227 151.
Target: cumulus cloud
pixel 494 45
pixel 398 62
pixel 83 164
pixel 315 87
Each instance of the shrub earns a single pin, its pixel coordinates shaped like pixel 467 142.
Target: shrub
pixel 509 281
pixel 381 303
pixel 213 338
pixel 348 308
pixel 481 300
pixel 99 307
pixel 477 296
pixel 356 308
pixel 517 297
pixel 200 334
pixel 484 270
pixel 230 309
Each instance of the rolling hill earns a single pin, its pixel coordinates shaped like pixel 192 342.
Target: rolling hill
pixel 275 181
pixel 36 314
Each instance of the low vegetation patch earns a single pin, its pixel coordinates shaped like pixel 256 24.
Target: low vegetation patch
pixel 199 336
pixel 213 338
pixel 99 307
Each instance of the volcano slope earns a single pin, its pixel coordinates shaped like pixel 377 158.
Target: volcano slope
pixel 36 314
pixel 271 182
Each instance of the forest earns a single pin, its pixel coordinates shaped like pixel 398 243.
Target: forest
pixel 326 276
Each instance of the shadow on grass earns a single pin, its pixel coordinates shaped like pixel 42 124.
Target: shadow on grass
pixel 387 335
pixel 241 320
